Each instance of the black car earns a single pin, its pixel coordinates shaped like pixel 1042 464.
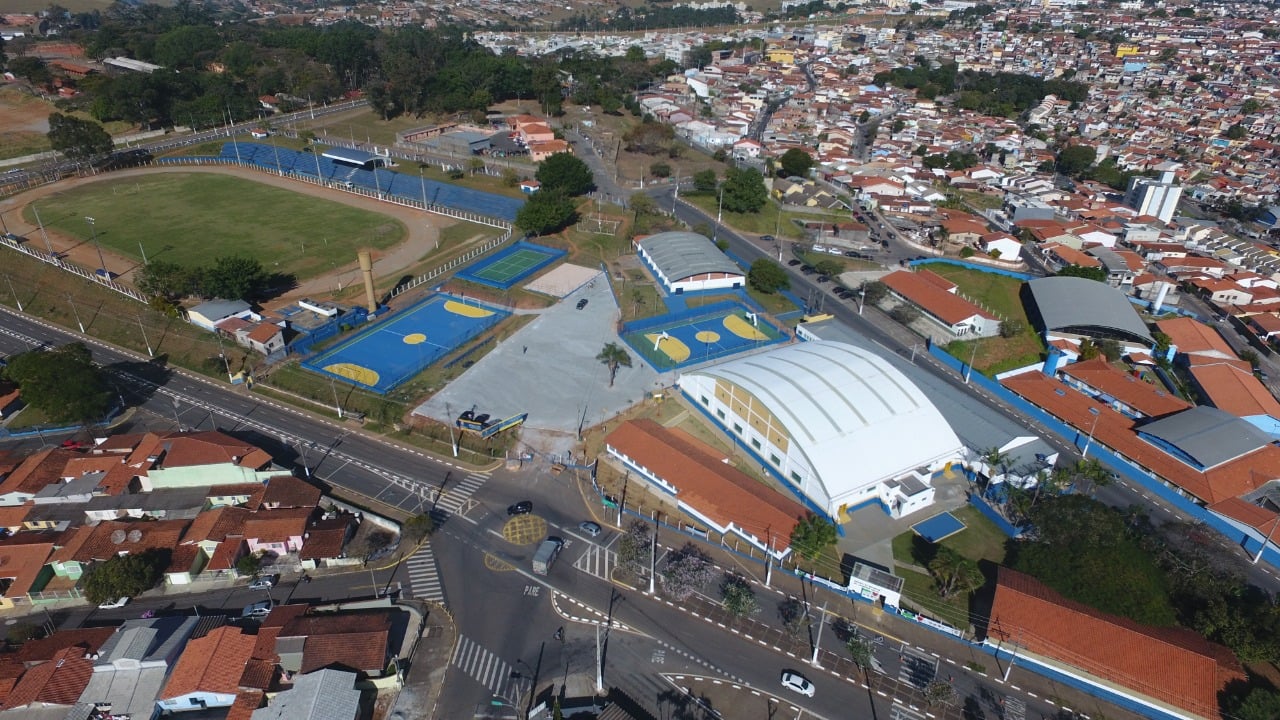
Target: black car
pixel 808 270
pixel 824 279
pixel 582 303
pixel 793 262
pixel 766 238
pixel 524 507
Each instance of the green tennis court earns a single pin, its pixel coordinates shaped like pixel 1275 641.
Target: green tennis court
pixel 511 265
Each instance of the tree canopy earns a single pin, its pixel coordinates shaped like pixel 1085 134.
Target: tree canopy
pixel 1080 271
pixel 795 163
pixel 744 190
pixel 125 576
pixel 1002 93
pixel 1075 159
pixel 768 276
pixel 78 139
pixel 812 535
pixel 564 172
pixel 62 383
pixel 547 211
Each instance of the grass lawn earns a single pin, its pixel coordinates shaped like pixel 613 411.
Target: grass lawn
pixel 999 294
pixel 980 540
pixel 980 200
pixel 191 219
pixel 766 221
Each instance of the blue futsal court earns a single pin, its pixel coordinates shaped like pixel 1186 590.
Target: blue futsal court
pixel 392 351
pixel 408 186
pixel 939 527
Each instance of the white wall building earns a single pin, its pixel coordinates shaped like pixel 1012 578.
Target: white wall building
pixel 1155 197
pixel 839 424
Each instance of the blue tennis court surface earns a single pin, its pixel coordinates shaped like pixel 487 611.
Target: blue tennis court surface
pixel 392 351
pixel 411 187
pixel 511 265
pixel 939 527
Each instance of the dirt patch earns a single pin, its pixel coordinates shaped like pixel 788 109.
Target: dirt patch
pixel 422 238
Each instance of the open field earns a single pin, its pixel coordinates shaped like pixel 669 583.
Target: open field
pixel 191 219
pixel 999 294
pixel 765 222
pixel 24 122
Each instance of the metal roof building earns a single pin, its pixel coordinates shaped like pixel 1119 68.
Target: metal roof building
pixel 1204 436
pixel 1079 306
pixel 354 158
pixel 838 423
pixel 685 261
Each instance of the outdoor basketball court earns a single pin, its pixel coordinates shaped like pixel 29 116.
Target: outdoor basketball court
pixel 510 266
pixel 939 527
pixel 392 351
pixel 716 331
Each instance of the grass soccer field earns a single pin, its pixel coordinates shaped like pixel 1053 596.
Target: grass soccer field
pixel 192 218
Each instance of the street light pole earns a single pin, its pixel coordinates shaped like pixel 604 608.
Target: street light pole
pixel 1092 426
pixel 144 336
pixel 862 296
pixel 968 370
pixel 653 555
pixel 1266 542
pixel 75 312
pixel 12 292
pixel 817 644
pixel 93 229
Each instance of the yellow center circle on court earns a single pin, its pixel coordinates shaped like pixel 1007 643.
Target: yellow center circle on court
pixel 708 336
pixel 414 339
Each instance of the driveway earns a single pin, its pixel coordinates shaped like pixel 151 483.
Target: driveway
pixel 549 370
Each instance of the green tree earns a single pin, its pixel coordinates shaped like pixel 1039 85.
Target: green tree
pixel 417 527
pixel 794 615
pixel 643 204
pixel 905 314
pixel 167 280
pixel 953 573
pixel 1250 107
pixel 738 597
pixel 744 190
pixel 875 291
pixel 660 170
pixel 1260 704
pixel 613 356
pixel 186 47
pixel 125 576
pixel 63 383
pixel 235 277
pixel 768 276
pixel 705 181
pixel 77 139
pixel 248 565
pixel 939 692
pixel 1236 132
pixel 859 652
pixel 1012 328
pixel 795 163
pixel 563 171
pixel 811 536
pixel 1075 159
pixel 829 267
pixel 546 212
pixel 1089 273
pixel 32 68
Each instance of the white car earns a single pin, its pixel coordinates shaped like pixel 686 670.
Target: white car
pixel 113 604
pixel 258 610
pixel 797 683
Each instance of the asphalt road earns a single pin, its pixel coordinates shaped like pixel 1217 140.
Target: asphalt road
pixel 334 453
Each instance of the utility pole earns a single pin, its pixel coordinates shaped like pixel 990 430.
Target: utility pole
pixel 653 555
pixel 143 328
pixel 75 312
pixel 16 299
pixel 822 618
pixel 338 404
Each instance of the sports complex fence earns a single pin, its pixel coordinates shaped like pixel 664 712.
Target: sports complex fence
pixel 14 242
pixel 344 186
pixel 461 259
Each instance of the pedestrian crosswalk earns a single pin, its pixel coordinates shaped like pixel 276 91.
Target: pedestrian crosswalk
pixel 596 560
pixel 490 671
pixel 902 712
pixel 424 575
pixel 917 669
pixel 456 496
